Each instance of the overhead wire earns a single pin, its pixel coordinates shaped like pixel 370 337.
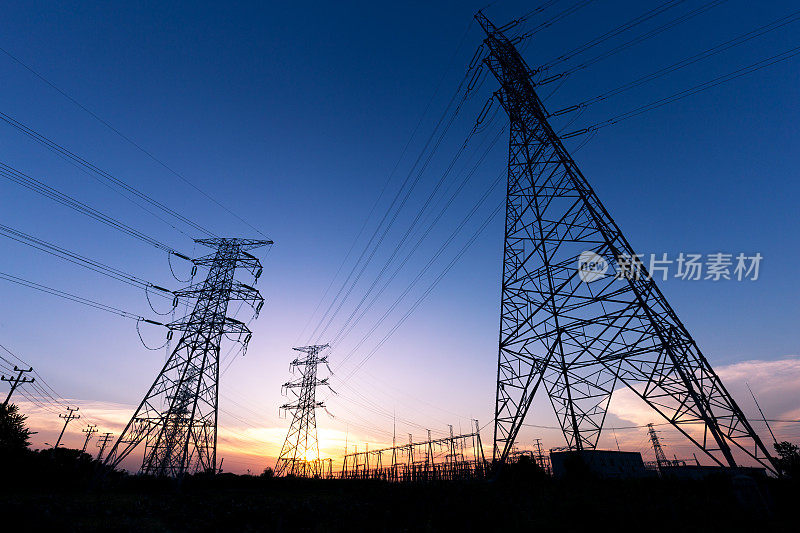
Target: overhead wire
pixel 550 22
pixel 430 288
pixel 546 24
pixel 37 186
pixel 83 261
pixel 788 54
pixel 132 142
pixel 399 196
pixel 388 180
pixel 423 235
pixel 636 40
pixel 45 394
pixel 612 33
pixel 709 52
pixel 440 250
pixel 74 298
pixel 519 20
pixel 94 170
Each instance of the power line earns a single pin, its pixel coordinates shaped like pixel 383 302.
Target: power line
pixel 687 92
pixel 741 39
pixel 84 164
pixel 423 296
pixel 131 141
pixel 74 298
pixel 440 250
pixel 634 41
pixel 80 260
pixel 388 180
pixel 390 261
pixel 391 207
pixel 46 392
pixel 642 426
pixel 613 33
pixel 430 288
pixel 35 185
pixel 546 24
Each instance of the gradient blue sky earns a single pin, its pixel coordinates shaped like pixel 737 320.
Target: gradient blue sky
pixel 294 114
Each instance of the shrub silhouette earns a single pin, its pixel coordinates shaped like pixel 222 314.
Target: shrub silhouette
pixel 788 458
pixel 14 433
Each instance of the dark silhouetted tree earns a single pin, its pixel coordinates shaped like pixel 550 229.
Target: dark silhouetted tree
pixel 788 458
pixel 14 434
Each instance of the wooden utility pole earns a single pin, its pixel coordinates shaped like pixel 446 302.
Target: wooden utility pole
pixel 15 381
pixel 90 429
pixel 69 417
pixel 102 442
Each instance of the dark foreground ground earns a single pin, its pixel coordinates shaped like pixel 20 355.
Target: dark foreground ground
pixel 529 501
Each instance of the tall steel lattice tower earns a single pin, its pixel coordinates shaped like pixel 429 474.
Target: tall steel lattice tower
pixel 300 452
pixel 661 458
pixel 177 419
pixel 581 340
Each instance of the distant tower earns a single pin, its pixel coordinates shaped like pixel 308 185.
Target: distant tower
pixel 661 458
pixel 300 452
pixel 177 419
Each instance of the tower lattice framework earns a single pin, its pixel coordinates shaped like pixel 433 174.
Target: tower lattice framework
pixel 581 340
pixel 177 419
pixel 300 451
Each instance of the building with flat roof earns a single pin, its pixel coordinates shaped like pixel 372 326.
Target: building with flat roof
pixel 604 464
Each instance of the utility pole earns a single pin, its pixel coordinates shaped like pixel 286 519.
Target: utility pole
pixel 101 443
pixel 300 451
pixel 15 381
pixel 177 419
pixel 69 417
pixel 90 429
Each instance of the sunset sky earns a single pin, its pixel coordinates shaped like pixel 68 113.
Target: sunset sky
pixel 295 116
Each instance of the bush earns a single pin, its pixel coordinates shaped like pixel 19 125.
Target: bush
pixel 14 434
pixel 788 458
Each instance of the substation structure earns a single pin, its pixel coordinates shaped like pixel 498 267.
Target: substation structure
pixel 452 458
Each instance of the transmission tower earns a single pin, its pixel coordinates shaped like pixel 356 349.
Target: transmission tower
pixel 582 339
pixel 661 458
pixel 300 452
pixel 177 419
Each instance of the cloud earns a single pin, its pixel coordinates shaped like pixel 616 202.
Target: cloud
pixel 775 384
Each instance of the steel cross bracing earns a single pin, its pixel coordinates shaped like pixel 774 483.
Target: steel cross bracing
pixel 177 419
pixel 300 452
pixel 582 340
